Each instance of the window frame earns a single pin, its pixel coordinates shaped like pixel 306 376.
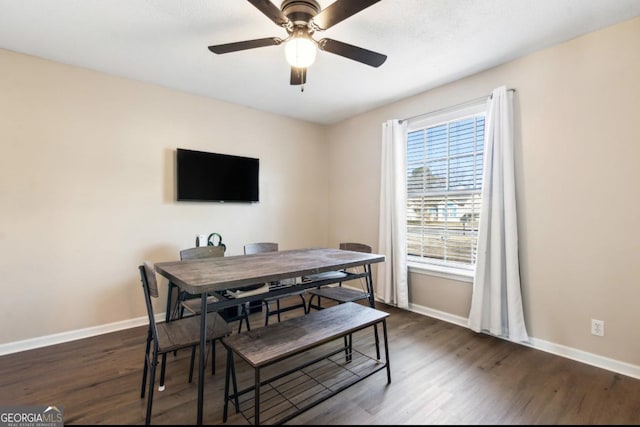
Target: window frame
pixel 434 266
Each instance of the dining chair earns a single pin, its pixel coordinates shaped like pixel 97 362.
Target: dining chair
pixel 339 293
pixel 255 248
pixel 171 336
pixel 177 307
pixel 192 303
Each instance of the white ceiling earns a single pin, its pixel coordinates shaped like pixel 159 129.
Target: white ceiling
pixel 428 43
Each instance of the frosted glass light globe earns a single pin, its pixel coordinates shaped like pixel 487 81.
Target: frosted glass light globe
pixel 300 52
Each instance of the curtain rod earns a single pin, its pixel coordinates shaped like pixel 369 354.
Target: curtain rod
pixel 471 101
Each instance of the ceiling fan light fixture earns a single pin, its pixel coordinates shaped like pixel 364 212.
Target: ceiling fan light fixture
pixel 300 51
pixel 301 19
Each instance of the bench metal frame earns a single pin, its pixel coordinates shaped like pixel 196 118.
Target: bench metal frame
pixel 230 377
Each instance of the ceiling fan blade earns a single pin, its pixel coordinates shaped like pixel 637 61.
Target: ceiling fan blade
pixel 339 11
pixel 298 76
pixel 248 44
pixel 271 11
pixel 356 53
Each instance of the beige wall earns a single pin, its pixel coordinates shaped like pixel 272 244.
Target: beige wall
pixel 86 186
pixel 87 189
pixel 578 182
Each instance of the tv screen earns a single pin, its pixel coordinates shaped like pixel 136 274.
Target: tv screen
pixel 203 176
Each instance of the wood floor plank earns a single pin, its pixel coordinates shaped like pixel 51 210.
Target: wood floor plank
pixel 441 374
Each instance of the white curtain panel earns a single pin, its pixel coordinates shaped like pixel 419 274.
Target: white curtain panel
pixel 496 302
pixel 391 286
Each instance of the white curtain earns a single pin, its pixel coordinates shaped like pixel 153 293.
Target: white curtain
pixel 496 303
pixel 391 285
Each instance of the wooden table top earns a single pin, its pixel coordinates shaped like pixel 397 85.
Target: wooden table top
pixel 221 273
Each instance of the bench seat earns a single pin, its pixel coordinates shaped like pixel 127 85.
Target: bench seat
pixel 271 344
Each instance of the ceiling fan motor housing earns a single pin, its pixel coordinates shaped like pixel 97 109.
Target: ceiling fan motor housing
pixel 300 12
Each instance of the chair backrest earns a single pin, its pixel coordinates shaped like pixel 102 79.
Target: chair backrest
pixel 199 252
pixel 149 279
pixel 357 247
pixel 202 252
pixel 150 288
pixel 254 248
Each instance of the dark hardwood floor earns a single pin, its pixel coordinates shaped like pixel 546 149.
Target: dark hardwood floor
pixel 441 374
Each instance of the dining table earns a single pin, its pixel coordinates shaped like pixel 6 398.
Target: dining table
pixel 219 276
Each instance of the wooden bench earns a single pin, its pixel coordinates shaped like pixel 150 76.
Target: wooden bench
pixel 274 343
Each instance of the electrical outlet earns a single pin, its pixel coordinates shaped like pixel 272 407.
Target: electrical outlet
pixel 597 327
pixel 202 240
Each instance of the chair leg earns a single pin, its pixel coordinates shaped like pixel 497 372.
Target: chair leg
pixel 162 371
pixel 226 387
pixel 176 313
pixel 375 332
pixel 213 357
pixel 245 318
pixel 372 304
pixel 230 371
pixel 144 377
pixel 278 308
pixel 304 304
pixel 152 380
pixel 146 364
pixel 193 361
pixel 236 402
pixel 169 310
pixel 348 348
pixel 267 312
pixel 318 307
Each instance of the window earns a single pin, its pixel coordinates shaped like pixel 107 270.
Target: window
pixel 444 184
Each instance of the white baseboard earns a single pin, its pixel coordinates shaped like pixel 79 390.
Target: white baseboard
pixel 33 343
pixel 549 347
pixel 570 353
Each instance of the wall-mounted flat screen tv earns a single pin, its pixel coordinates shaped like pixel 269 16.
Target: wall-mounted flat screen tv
pixel 214 177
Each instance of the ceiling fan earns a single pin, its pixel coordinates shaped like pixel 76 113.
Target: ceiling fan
pixel 302 18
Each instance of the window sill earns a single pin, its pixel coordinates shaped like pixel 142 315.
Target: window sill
pixel 452 273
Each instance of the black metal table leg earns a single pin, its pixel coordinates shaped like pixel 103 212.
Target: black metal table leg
pixel 203 346
pixel 386 349
pixel 256 402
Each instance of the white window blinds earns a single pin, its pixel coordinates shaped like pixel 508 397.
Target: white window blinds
pixel 444 184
